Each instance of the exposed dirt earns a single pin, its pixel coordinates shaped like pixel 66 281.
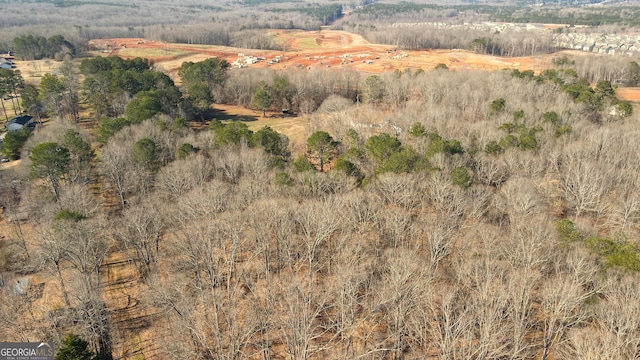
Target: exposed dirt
pixel 316 49
pixel 10 164
pixel 327 49
pixel 629 94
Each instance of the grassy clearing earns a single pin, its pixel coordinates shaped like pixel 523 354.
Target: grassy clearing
pixel 278 40
pixel 308 43
pixel 199 46
pixel 151 53
pixel 294 127
pixel 275 40
pixel 33 70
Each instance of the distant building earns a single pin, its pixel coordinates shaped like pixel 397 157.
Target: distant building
pixel 5 64
pixel 20 122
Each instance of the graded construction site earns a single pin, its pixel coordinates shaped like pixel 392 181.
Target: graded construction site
pixel 327 49
pixel 315 49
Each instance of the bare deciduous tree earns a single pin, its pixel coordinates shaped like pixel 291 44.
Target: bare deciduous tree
pixel 86 253
pixel 562 308
pixel 180 176
pixel 401 290
pixel 585 183
pixel 117 167
pixel 448 321
pixel 529 242
pixel 53 250
pixel 521 285
pixel 301 305
pixel 316 223
pixel 139 233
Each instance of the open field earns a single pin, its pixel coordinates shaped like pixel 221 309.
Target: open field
pixel 33 70
pixel 294 127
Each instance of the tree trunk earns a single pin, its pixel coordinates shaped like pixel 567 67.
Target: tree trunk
pixel 62 286
pixel 15 95
pixel 4 109
pixel 56 187
pixel 13 102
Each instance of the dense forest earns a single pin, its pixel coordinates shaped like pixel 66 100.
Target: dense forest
pixel 426 213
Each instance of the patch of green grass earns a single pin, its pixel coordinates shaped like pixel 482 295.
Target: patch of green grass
pixel 150 53
pixel 274 39
pixel 308 43
pixel 197 46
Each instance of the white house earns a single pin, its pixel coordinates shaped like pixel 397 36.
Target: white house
pixel 5 64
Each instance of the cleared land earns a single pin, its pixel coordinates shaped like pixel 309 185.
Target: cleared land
pixel 629 94
pixel 328 49
pixel 314 50
pixel 295 127
pixel 317 49
pixel 33 70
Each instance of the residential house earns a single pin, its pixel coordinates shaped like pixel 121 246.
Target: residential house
pixel 20 122
pixel 5 64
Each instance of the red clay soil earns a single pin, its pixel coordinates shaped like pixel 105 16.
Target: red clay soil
pixel 326 48
pixel 629 94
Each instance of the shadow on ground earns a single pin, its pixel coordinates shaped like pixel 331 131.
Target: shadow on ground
pixel 222 115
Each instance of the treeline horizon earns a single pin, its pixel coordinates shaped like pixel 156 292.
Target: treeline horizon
pixel 241 25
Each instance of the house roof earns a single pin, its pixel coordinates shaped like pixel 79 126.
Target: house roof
pixel 6 63
pixel 20 120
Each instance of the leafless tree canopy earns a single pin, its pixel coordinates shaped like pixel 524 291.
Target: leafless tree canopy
pixel 488 234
